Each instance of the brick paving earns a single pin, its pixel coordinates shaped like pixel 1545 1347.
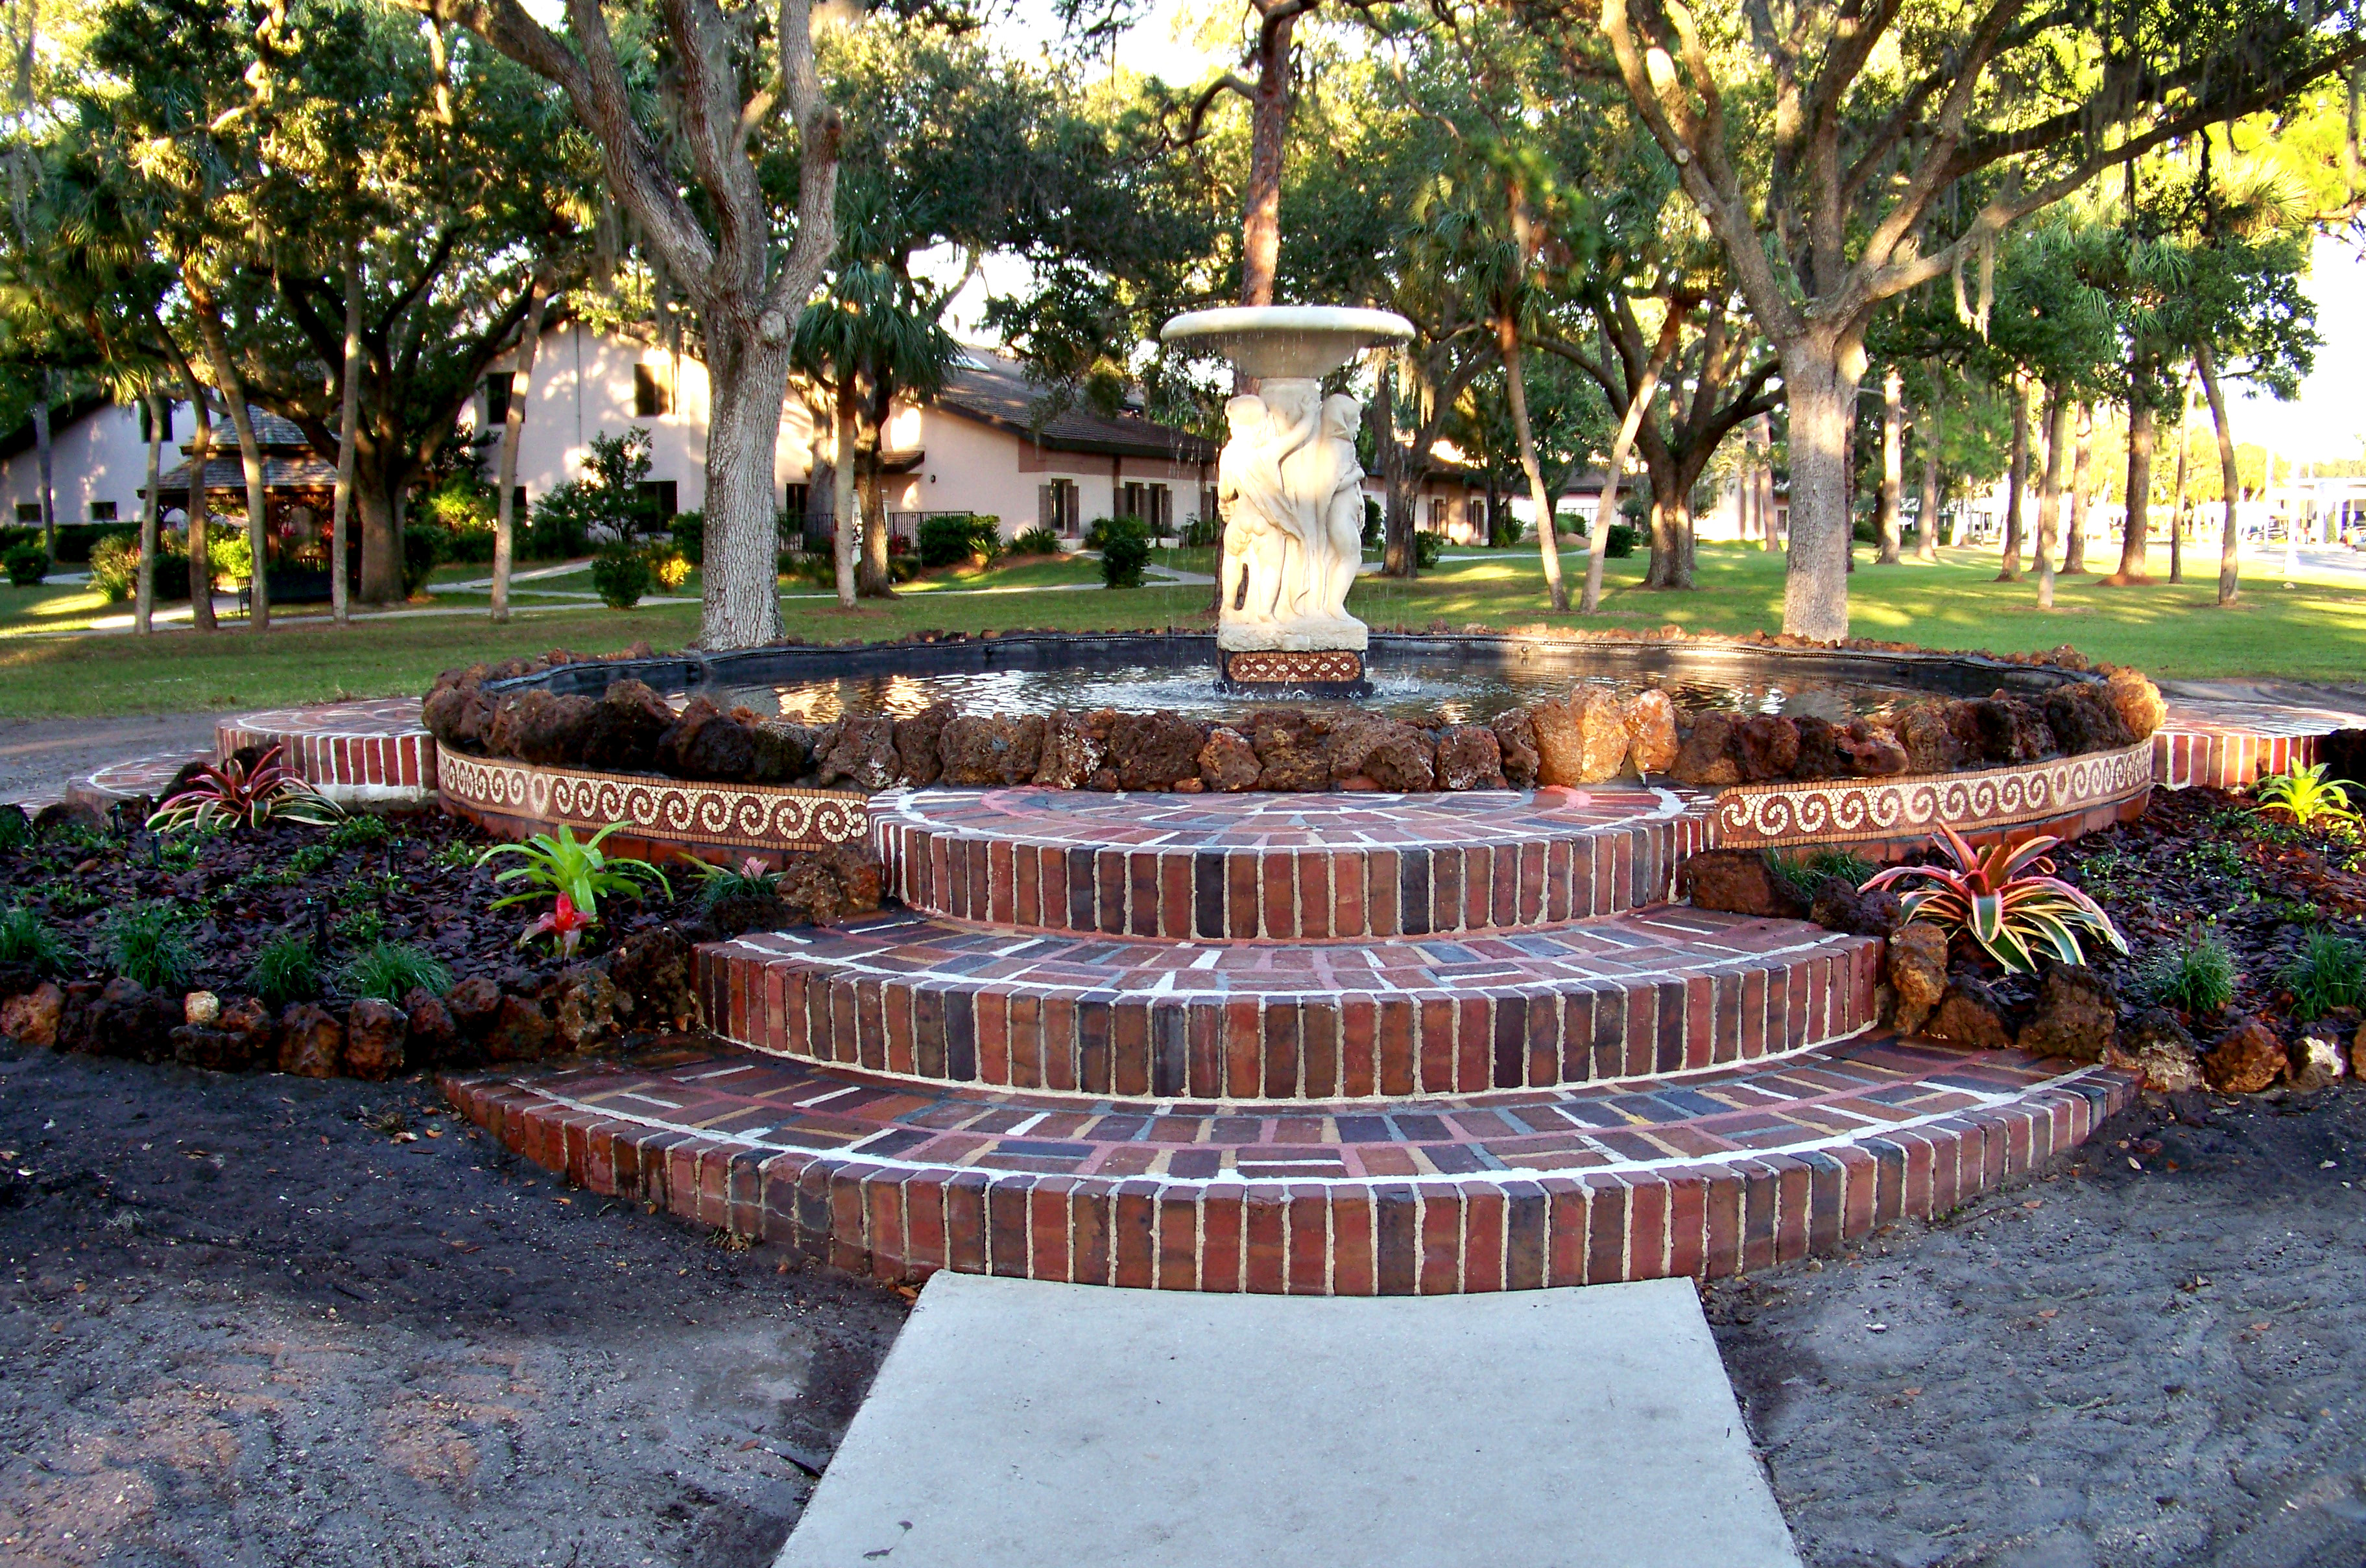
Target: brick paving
pixel 362 750
pixel 1704 1175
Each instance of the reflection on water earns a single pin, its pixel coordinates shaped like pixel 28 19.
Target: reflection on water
pixel 1408 691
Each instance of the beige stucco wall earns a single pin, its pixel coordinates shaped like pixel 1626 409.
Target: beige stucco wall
pixel 100 457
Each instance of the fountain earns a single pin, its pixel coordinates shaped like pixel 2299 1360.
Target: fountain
pixel 1293 495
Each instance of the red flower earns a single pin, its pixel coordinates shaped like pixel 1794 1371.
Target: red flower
pixel 565 923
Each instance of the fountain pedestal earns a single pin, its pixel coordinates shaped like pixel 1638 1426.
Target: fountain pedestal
pixel 1292 491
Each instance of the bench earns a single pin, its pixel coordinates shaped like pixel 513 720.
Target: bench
pixel 287 586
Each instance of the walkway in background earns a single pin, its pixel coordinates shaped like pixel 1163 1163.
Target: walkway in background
pixel 1017 1424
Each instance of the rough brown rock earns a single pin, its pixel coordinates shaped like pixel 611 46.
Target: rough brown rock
pixel 1292 756
pixel 1580 740
pixel 311 1042
pixel 460 716
pixel 919 744
pixel 1840 905
pixel 1928 738
pixel 375 1032
pixel 1918 973
pixel 1075 747
pixel 59 815
pixel 434 1035
pixel 32 1017
pixel 1820 750
pixel 1228 762
pixel 1738 881
pixel 2139 700
pixel 1395 755
pixel 2157 1046
pixel 2316 1064
pixel 1649 720
pixel 653 971
pixel 1870 750
pixel 1969 1014
pixel 2358 1053
pixel 1469 756
pixel 982 752
pixel 722 749
pixel 862 755
pixel 2246 1059
pixel 2078 1015
pixel 1768 747
pixel 541 728
pixel 862 880
pixel 784 751
pixel 586 1009
pixel 1515 742
pixel 126 1019
pixel 2011 729
pixel 625 727
pixel 1709 756
pixel 1151 751
pixel 474 1004
pixel 2083 718
pixel 520 1030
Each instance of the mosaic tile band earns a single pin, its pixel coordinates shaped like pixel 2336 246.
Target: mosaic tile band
pixel 750 815
pixel 1856 809
pixel 1279 667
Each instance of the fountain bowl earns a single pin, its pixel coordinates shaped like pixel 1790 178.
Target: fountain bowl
pixel 1308 341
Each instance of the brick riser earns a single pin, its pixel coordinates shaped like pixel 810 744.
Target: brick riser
pixel 1286 894
pixel 1446 1038
pixel 1500 1231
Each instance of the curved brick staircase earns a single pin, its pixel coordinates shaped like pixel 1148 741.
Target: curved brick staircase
pixel 1344 1043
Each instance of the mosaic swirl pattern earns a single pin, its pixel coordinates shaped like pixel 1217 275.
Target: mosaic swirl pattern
pixel 1846 809
pixel 751 816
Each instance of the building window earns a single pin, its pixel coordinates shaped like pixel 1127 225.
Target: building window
pixel 28 512
pixel 147 424
pixel 798 501
pixel 658 496
pixel 497 400
pixel 1437 516
pixel 102 511
pixel 652 395
pixel 1058 506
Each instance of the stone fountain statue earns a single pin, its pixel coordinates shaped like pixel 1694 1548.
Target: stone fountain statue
pixel 1291 493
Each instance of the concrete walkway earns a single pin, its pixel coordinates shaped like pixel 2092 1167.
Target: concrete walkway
pixel 1018 1425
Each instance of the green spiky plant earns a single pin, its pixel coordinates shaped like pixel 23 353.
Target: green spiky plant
pixel 2328 971
pixel 388 972
pixel 286 970
pixel 233 792
pixel 2005 898
pixel 560 862
pixel 2197 976
pixel 150 943
pixel 2308 798
pixel 27 939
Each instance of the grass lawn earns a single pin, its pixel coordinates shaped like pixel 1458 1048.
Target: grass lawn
pixel 2314 629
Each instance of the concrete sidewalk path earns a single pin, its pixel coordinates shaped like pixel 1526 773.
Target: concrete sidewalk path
pixel 1022 1425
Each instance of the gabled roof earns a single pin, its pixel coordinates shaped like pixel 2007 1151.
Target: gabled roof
pixel 63 417
pixel 272 433
pixel 992 389
pixel 224 472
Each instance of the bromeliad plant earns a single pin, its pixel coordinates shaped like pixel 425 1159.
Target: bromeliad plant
pixel 2006 898
pixel 750 879
pixel 2308 798
pixel 233 792
pixel 578 875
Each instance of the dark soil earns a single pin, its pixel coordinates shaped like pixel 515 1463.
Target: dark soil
pixel 2112 1366
pixel 267 1320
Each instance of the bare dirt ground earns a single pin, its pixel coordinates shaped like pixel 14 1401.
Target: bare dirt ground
pixel 2117 1367
pixel 243 1321
pixel 40 756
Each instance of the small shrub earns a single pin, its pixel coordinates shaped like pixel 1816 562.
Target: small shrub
pixel 150 943
pixel 1621 540
pixel 621 575
pixel 315 858
pixel 957 538
pixel 815 569
pixel 2307 796
pixel 27 939
pixel 1125 550
pixel 424 547
pixel 1203 533
pixel 361 831
pixel 1375 523
pixel 689 531
pixel 1036 541
pixel 668 567
pixel 115 567
pixel 26 565
pixel 2198 975
pixel 286 970
pixel 1429 550
pixel 2328 971
pixel 16 828
pixel 223 797
pixel 388 970
pixel 1805 873
pixel 750 879
pixel 559 864
pixel 559 526
pixel 358 928
pixel 2005 898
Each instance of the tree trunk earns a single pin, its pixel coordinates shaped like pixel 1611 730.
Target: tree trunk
pixel 1763 485
pixel 2049 493
pixel 143 580
pixel 1397 555
pixel 201 449
pixel 1660 567
pixel 2074 545
pixel 513 431
pixel 748 379
pixel 1926 526
pixel 2016 482
pixel 1638 407
pixel 349 398
pixel 1269 110
pixel 845 531
pixel 1548 547
pixel 42 455
pixel 250 452
pixel 2206 366
pixel 381 534
pixel 1819 382
pixel 2139 520
pixel 2177 508
pixel 1893 465
pixel 873 579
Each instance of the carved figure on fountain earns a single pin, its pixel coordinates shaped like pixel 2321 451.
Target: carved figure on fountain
pixel 1291 489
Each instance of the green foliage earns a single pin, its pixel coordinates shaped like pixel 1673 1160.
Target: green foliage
pixel 229 551
pixel 232 793
pixel 149 943
pixel 361 890
pixel 2328 971
pixel 1201 533
pixel 1621 540
pixel 689 531
pixel 389 971
pixel 1125 550
pixel 358 928
pixel 750 879
pixel 2307 796
pixel 2005 899
pixel 1036 541
pixel 286 970
pixel 559 528
pixel 313 857
pixel 958 538
pixel 16 828
pixel 26 565
pixel 1375 523
pixel 115 567
pixel 621 575
pixel 2198 975
pixel 361 831
pixel 559 863
pixel 1428 549
pixel 1803 873
pixel 815 569
pixel 423 550
pixel 27 939
pixel 1504 530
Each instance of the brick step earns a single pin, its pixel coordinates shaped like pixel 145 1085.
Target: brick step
pixel 1284 866
pixel 1739 1167
pixel 1668 989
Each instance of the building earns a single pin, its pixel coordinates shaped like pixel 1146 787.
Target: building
pixel 98 462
